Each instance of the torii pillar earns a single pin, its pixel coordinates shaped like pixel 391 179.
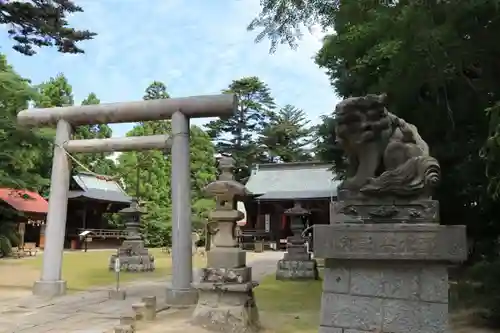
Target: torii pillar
pixel 180 110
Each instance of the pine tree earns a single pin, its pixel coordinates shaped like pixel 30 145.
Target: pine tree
pixel 42 23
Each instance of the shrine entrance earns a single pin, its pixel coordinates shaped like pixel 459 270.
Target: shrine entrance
pixel 180 110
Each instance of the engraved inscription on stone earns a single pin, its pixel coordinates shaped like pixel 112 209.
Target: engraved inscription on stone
pixel 388 243
pixel 385 241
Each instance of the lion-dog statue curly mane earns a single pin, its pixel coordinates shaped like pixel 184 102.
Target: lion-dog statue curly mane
pixel 386 155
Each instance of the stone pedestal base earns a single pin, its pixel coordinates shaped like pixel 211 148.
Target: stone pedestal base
pixel 117 295
pixel 226 308
pixel 384 297
pixel 134 257
pixel 177 298
pixel 289 269
pixel 49 288
pixel 133 263
pixel 387 277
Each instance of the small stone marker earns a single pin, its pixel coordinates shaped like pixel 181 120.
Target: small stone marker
pixel 127 320
pixel 149 307
pixel 124 329
pixel 138 310
pixel 117 294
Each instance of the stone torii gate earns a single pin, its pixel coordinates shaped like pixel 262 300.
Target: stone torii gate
pixel 180 110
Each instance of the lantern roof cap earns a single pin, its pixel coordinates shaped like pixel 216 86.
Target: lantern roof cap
pixel 134 208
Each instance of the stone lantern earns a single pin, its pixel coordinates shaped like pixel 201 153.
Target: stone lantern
pixel 297 263
pixel 134 257
pixel 226 300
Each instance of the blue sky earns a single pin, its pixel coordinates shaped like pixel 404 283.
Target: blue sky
pixel 195 47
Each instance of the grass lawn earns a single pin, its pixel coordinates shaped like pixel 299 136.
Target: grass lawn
pixel 288 306
pixel 293 307
pixel 83 270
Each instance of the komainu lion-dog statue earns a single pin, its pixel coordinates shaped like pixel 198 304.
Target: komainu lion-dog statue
pixel 386 155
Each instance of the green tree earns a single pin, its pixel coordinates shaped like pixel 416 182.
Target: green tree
pixel 20 148
pixel 438 62
pixel 152 172
pixel 147 176
pixel 42 23
pixel 57 91
pixel 238 134
pixel 99 163
pixel 203 172
pixel 54 92
pixel 325 147
pixel 156 90
pixel 446 54
pixel 287 136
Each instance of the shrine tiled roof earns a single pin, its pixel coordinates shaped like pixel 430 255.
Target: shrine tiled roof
pixel 288 181
pixel 24 201
pixel 86 185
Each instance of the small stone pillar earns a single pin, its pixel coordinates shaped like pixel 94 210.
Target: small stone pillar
pixel 297 263
pixel 134 257
pixel 386 266
pixel 226 300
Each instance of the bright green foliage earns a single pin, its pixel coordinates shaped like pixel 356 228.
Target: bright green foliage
pixel 326 148
pixel 237 135
pixel 20 148
pixel 203 172
pixel 156 90
pixel 99 163
pixel 287 136
pixel 281 21
pixel 55 92
pixel 153 170
pixel 438 63
pixel 42 23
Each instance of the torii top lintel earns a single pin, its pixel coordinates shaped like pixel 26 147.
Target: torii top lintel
pixel 222 105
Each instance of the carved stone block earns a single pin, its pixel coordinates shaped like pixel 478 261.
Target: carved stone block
pixel 398 283
pixel 336 278
pixel 434 284
pixel 419 317
pixel 226 258
pixel 226 309
pixel 385 296
pixel 226 275
pixel 297 256
pixel 124 329
pixel 390 242
pixel 347 311
pixel 297 270
pixel 138 309
pixel 384 211
pixel 149 307
pixel 127 321
pixel 117 295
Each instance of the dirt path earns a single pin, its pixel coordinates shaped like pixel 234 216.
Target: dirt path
pixel 91 311
pixel 16 279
